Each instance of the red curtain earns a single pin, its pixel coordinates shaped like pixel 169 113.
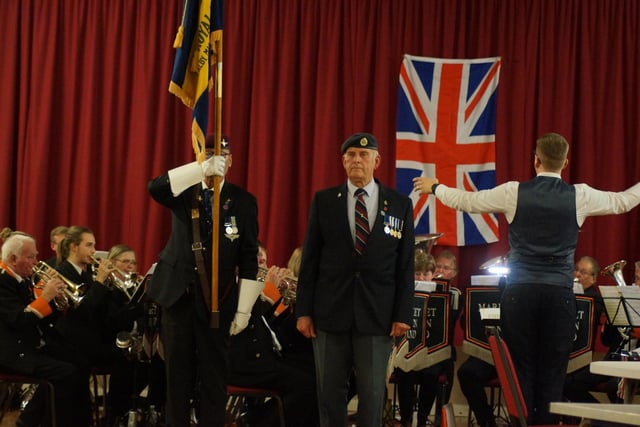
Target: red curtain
pixel 86 119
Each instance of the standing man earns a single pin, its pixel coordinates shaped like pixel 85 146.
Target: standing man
pixel 538 308
pixel 196 353
pixel 356 284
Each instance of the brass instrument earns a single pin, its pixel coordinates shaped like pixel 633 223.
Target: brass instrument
pixel 73 292
pixel 127 283
pixel 425 242
pixel 287 287
pixel 261 276
pixel 615 270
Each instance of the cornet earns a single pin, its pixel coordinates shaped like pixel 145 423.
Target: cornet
pixel 73 292
pixel 127 283
pixel 615 270
pixel 288 287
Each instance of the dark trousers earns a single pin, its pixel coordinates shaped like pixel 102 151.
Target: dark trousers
pixel 196 365
pixel 538 323
pixel 336 354
pixel 427 379
pixel 296 386
pixel 71 389
pixel 473 374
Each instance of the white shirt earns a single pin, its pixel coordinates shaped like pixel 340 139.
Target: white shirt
pixel 504 199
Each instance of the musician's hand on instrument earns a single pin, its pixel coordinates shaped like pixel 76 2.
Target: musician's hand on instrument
pixel 53 289
pixel 104 269
pixel 215 165
pixel 398 329
pixel 272 274
pixel 423 184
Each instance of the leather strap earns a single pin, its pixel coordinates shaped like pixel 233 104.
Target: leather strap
pixel 197 247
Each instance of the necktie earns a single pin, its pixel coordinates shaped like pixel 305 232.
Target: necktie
pixel 362 221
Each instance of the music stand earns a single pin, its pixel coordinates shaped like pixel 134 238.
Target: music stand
pixel 622 304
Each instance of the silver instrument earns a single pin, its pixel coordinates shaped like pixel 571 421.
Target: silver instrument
pixel 425 242
pixel 287 287
pixel 126 283
pixel 615 270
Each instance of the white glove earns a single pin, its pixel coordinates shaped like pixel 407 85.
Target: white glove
pixel 249 292
pixel 214 165
pixel 240 322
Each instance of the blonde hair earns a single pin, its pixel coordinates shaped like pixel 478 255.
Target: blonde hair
pixel 117 250
pixel 294 261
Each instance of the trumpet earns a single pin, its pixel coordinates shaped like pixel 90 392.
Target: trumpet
pixel 73 292
pixel 126 283
pixel 288 287
pixel 615 270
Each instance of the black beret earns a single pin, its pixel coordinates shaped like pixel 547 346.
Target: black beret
pixel 211 142
pixel 360 140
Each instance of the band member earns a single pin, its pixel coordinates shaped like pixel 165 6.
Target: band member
pixel 356 283
pixel 27 338
pixel 545 215
pixel 427 378
pixel 196 353
pixel 84 325
pixel 56 236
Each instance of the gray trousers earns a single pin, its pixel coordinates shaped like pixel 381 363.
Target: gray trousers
pixel 336 355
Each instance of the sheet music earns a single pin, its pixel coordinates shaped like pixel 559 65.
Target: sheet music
pixel 631 295
pixel 611 295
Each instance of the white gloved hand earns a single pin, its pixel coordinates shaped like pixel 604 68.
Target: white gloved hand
pixel 240 322
pixel 248 294
pixel 214 165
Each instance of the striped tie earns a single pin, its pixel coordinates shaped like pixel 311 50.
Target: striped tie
pixel 362 221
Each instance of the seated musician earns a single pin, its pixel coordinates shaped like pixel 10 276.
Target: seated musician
pixel 579 384
pixel 137 365
pixel 29 344
pixel 284 364
pixel 427 378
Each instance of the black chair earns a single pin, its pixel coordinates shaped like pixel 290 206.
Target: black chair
pixel 15 378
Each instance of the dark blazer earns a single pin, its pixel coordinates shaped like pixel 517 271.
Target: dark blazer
pixel 176 269
pixel 19 333
pixel 84 326
pixel 342 290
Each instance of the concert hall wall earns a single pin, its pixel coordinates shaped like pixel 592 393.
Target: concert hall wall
pixel 86 119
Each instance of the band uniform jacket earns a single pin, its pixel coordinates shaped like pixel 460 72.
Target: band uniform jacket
pixel 21 332
pixel 84 325
pixel 342 290
pixel 176 271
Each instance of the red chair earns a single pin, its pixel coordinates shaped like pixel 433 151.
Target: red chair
pixel 513 397
pixel 236 399
pixel 14 378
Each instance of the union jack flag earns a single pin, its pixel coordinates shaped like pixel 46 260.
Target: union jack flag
pixel 446 128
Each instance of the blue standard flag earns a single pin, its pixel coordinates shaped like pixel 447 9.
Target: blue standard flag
pixel 191 79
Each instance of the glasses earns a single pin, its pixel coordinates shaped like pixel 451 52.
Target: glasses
pixel 584 273
pixel 128 261
pixel 443 267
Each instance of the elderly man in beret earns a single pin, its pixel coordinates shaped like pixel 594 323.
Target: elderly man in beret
pixel 356 283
